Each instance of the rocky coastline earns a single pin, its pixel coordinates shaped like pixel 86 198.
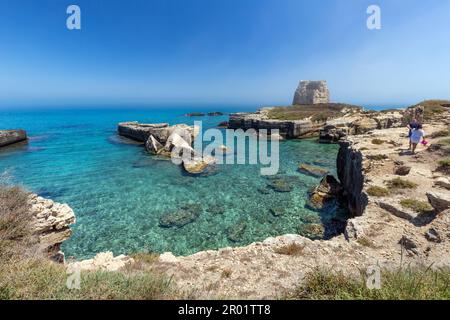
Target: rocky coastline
pixel 400 205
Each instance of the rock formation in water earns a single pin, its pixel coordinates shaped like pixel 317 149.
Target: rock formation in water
pixel 8 137
pixel 162 139
pixel 51 224
pixel 311 92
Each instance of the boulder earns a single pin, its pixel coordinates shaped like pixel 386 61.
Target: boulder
pixel 197 166
pixel 433 236
pixel 408 244
pixel 312 170
pixel 439 201
pixel 153 146
pixel 402 170
pixel 325 194
pixel 8 137
pixel 104 261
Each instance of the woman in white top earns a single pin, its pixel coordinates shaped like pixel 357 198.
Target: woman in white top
pixel 416 136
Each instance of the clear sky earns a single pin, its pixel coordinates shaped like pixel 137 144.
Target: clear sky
pixel 145 52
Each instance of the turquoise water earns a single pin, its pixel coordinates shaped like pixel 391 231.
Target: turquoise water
pixel 119 192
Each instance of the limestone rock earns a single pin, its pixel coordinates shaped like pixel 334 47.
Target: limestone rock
pixel 8 137
pixel 325 194
pixel 311 92
pixel 397 210
pixel 51 223
pixel 439 201
pixel 433 236
pixel 408 244
pixel 102 261
pixel 153 146
pixel 197 166
pixel 402 170
pixel 443 182
pixel 168 257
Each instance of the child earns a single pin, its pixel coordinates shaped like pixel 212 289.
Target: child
pixel 416 136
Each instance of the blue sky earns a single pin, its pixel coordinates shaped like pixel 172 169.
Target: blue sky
pixel 254 52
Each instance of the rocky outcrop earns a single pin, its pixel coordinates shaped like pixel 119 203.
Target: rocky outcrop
pixel 258 120
pixel 312 170
pixel 8 137
pixel 311 92
pixel 104 261
pixel 51 225
pixel 351 175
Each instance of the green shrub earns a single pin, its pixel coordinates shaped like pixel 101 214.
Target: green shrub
pixel 399 183
pixel 376 191
pixel 416 205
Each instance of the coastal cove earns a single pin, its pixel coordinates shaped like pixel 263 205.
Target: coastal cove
pixel 119 192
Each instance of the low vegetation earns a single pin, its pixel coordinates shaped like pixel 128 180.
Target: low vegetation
pixel 377 157
pixel 376 191
pixel 366 242
pixel 402 284
pixel 378 141
pixel 24 274
pixel 416 205
pixel 399 184
pixel 317 112
pixel 444 165
pixel 293 249
pixel 440 134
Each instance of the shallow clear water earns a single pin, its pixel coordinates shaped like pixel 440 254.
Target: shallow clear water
pixel 119 192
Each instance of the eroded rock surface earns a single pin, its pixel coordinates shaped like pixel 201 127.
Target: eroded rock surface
pixel 8 137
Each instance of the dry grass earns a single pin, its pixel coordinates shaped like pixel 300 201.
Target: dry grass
pixel 292 249
pixel 317 113
pixel 399 184
pixel 25 276
pixel 378 141
pixel 402 284
pixel 440 134
pixel 376 191
pixel 416 205
pixel 366 242
pixel 226 273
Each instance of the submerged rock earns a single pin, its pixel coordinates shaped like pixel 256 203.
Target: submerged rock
pixel 313 231
pixel 217 209
pixel 280 185
pixel 312 170
pixel 236 231
pixel 185 215
pixel 277 211
pixel 198 166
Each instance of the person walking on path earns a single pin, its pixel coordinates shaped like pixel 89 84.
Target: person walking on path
pixel 413 125
pixel 416 136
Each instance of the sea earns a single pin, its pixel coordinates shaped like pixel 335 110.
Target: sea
pixel 119 192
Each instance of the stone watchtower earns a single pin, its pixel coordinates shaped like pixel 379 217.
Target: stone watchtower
pixel 312 92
